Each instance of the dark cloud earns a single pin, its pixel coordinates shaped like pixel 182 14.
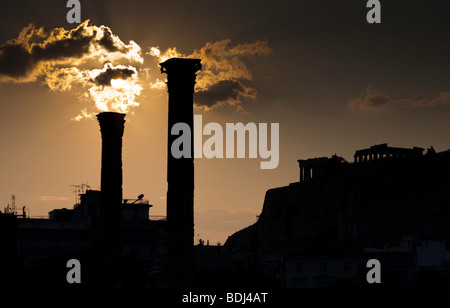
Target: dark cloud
pixel 225 78
pixel 64 58
pixel 220 83
pixel 372 99
pixel 22 59
pixel 110 72
pixel 107 41
pixel 225 92
pixel 68 47
pixel 15 61
pixel 36 51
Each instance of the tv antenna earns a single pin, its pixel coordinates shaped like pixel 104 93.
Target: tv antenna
pixel 78 190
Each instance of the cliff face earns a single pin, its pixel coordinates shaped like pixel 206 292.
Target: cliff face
pixel 373 203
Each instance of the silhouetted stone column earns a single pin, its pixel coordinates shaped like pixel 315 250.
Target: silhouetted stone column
pixel 112 128
pixel 109 238
pixel 181 74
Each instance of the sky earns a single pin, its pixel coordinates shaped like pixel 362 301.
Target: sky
pixel 333 82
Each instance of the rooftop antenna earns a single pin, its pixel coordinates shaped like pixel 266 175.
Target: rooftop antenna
pixel 13 204
pixel 78 190
pixel 11 209
pixel 84 188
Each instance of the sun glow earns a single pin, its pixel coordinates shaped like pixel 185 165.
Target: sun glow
pixel 119 83
pixel 119 97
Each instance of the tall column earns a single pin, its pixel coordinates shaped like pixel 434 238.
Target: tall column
pixel 108 239
pixel 112 128
pixel 181 75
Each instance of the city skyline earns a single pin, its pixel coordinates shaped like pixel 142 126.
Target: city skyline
pixel 333 82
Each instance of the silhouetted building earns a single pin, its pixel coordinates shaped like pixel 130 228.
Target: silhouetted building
pixel 314 168
pixel 41 247
pixel 181 74
pixel 387 194
pixel 381 151
pixel 115 240
pixel 404 264
pixel 323 268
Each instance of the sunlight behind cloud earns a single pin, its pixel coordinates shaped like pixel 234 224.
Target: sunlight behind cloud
pixel 65 58
pixel 225 79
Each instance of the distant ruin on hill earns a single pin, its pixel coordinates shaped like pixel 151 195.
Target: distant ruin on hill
pixel 385 194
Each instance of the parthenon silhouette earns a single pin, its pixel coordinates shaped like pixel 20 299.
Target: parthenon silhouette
pixel 316 167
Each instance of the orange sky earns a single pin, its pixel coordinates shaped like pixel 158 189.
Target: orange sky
pixel 334 84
